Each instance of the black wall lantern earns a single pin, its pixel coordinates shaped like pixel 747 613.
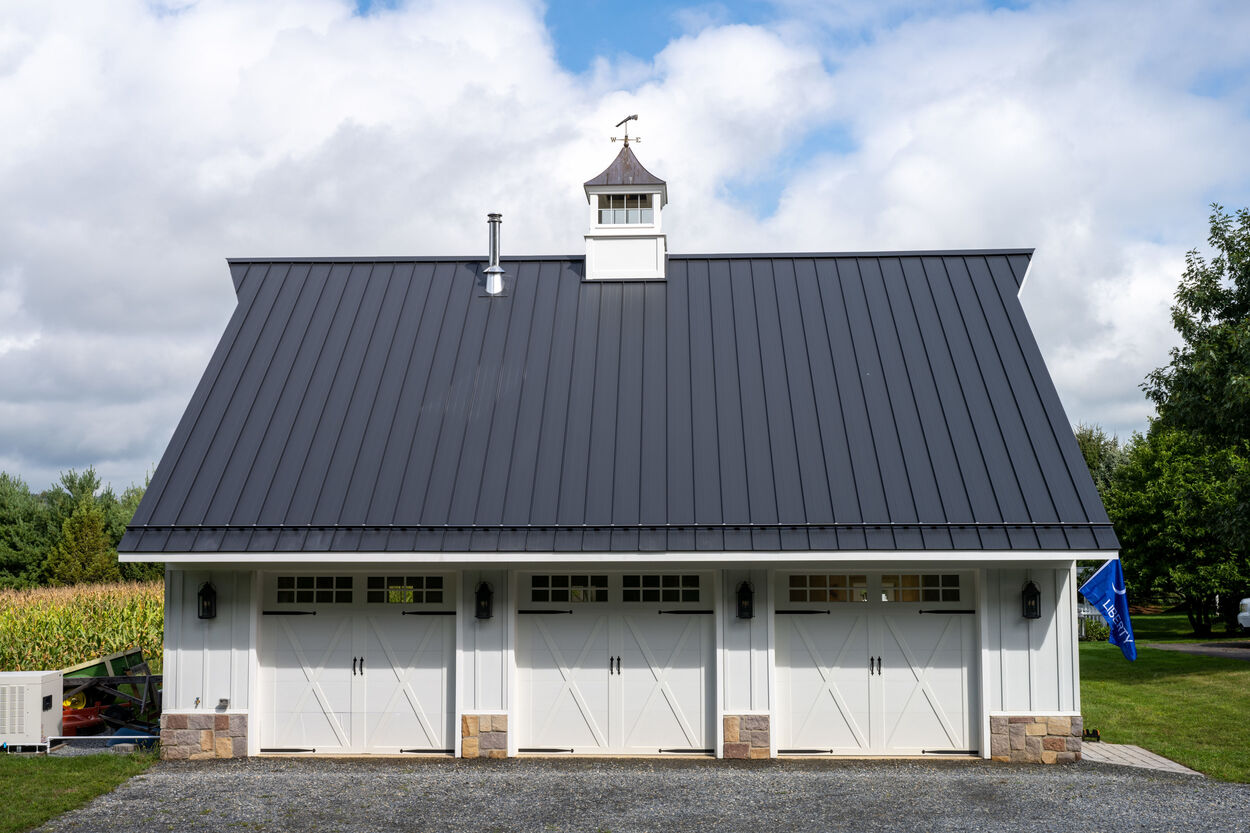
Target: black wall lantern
pixel 207 601
pixel 483 601
pixel 746 601
pixel 1031 600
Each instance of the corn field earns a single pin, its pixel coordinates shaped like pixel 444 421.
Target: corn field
pixel 56 627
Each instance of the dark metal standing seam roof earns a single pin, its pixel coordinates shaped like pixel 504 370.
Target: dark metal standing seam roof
pixel 771 403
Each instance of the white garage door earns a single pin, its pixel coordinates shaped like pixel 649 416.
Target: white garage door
pixel 615 664
pixel 357 664
pixel 876 664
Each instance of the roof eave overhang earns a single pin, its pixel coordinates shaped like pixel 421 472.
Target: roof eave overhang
pixel 969 558
pixel 644 188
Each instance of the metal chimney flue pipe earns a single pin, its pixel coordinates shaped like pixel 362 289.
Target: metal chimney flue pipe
pixel 494 272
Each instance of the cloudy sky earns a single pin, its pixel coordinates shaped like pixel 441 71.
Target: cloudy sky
pixel 144 142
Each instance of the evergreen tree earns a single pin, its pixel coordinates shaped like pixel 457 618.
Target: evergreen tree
pixel 84 553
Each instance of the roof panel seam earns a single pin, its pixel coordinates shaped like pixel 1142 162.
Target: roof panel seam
pixel 998 424
pixel 1011 384
pixel 915 400
pixel 399 309
pixel 251 406
pixel 216 429
pixel 500 376
pixel 1033 380
pixel 403 387
pixel 941 402
pixel 338 366
pixel 162 478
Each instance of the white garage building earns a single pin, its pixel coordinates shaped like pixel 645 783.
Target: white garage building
pixel 633 502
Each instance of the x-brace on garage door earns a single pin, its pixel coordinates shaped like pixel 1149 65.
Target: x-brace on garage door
pixel 876 663
pixel 356 664
pixel 615 663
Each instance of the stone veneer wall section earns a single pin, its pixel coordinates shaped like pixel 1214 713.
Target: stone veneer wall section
pixel 1036 740
pixel 484 736
pixel 747 736
pixel 201 736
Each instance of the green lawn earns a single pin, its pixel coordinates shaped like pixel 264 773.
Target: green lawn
pixel 40 787
pixel 1194 710
pixel 1175 627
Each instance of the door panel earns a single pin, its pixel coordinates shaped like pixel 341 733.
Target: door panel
pixel 823 675
pixel 615 663
pixel 916 696
pixel 407 690
pixel 663 681
pixel 357 675
pixel 564 680
pixel 925 682
pixel 306 682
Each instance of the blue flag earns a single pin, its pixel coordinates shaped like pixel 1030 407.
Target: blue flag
pixel 1105 591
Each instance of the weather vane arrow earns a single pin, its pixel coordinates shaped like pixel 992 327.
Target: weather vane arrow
pixel 625 121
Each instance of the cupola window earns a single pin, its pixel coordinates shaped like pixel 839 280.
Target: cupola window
pixel 626 209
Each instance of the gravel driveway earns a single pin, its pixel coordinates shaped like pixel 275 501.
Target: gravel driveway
pixel 669 795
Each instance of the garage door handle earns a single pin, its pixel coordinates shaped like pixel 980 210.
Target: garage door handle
pixel 618 666
pixel 870 671
pixel 362 665
pixel 353 666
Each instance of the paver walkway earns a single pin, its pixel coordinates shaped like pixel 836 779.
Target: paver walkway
pixel 1125 754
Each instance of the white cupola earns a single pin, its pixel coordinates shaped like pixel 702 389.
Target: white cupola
pixel 625 240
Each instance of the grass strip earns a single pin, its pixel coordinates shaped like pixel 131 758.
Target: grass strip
pixel 1191 709
pixel 41 787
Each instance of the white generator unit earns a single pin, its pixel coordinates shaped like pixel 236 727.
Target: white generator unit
pixel 30 707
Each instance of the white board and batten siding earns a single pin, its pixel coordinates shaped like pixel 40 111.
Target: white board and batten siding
pixel 208 660
pixel 1030 664
pixel 745 648
pixel 1025 666
pixel 484 648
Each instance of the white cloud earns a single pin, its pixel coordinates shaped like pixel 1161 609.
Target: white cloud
pixel 145 143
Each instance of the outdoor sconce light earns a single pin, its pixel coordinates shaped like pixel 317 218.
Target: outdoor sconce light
pixel 207 601
pixel 1031 598
pixel 746 601
pixel 483 601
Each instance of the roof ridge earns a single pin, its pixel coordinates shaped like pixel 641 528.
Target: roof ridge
pixel 672 256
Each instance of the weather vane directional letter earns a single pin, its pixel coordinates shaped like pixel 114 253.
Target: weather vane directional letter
pixel 625 121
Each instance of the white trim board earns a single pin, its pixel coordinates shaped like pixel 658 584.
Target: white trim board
pixel 780 558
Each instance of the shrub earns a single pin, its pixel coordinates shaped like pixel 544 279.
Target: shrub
pixel 1096 630
pixel 56 627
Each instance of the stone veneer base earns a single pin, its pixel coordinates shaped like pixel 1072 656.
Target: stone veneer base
pixel 747 736
pixel 484 736
pixel 1035 739
pixel 198 736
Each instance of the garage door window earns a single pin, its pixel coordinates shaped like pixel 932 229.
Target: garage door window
pixel 920 587
pixel 828 588
pixel 314 590
pixel 659 588
pixel 405 590
pixel 568 588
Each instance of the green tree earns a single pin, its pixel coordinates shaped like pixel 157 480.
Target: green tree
pixel 120 514
pixel 1174 501
pixel 1102 452
pixel 1206 386
pixel 84 553
pixel 22 542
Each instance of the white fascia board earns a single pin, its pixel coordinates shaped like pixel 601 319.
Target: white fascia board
pixel 1028 270
pixel 998 558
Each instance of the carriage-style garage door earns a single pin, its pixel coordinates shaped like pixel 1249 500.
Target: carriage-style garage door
pixel 618 664
pixel 356 664
pixel 876 664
